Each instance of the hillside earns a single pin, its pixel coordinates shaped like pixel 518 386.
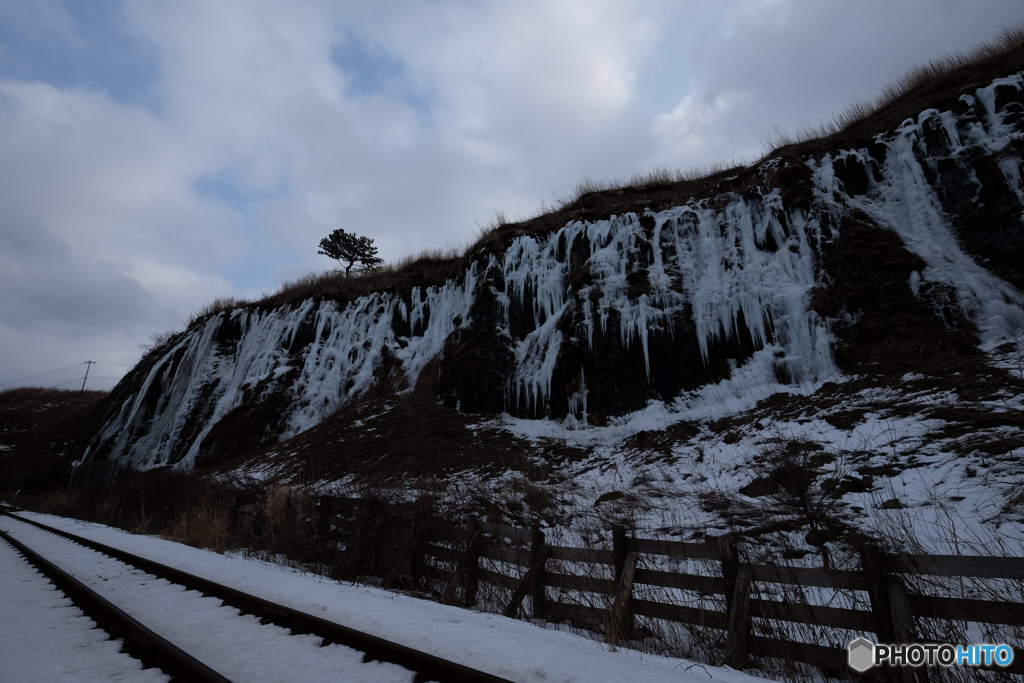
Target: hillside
pixel 38 431
pixel 669 354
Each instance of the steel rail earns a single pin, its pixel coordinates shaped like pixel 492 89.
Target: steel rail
pixel 428 667
pixel 139 640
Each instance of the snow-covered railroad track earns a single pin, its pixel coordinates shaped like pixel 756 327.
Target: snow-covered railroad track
pixel 224 630
pixel 34 611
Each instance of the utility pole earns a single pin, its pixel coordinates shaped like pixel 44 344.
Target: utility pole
pixel 88 364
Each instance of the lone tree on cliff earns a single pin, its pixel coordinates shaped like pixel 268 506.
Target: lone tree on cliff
pixel 350 250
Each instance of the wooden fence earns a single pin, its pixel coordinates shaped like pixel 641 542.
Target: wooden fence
pixel 420 551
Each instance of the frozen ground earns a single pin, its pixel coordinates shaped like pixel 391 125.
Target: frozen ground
pixel 45 639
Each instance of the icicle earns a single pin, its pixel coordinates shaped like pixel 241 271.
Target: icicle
pixel 578 401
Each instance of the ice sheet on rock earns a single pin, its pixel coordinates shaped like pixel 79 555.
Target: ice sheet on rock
pixel 705 269
pixel 730 280
pixel 905 202
pixel 448 308
pixel 999 131
pixel 202 380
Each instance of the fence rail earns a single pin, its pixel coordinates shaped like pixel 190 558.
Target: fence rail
pixel 731 595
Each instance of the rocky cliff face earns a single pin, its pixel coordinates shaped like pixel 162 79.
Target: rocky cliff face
pixel 808 268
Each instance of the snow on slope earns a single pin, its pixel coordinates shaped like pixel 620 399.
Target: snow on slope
pixel 737 266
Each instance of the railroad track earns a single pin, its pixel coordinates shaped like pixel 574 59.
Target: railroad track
pixel 153 649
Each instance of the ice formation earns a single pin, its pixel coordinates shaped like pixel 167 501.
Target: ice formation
pixel 718 268
pixel 906 202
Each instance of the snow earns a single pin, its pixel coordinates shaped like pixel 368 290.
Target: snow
pixel 513 649
pixel 33 612
pixel 237 646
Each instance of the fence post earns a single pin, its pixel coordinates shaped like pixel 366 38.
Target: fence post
pixel 736 651
pixel 376 510
pixel 620 621
pixel 730 566
pixel 894 622
pixel 416 557
pixel 539 555
pixel 619 549
pixel 737 602
pixel 472 555
pixel 465 573
pixel 533 581
pixel 409 555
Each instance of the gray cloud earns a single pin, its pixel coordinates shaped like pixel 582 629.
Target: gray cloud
pixel 267 124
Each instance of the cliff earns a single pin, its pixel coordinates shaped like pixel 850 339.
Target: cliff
pixel 893 249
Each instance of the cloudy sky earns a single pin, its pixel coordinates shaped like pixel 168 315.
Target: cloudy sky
pixel 158 154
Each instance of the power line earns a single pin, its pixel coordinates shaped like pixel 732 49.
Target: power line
pixel 73 382
pixel 42 374
pixel 53 372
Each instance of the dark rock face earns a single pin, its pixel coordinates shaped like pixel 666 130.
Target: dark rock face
pixel 979 184
pixel 477 360
pixel 869 269
pixel 979 193
pixel 886 258
pixel 856 173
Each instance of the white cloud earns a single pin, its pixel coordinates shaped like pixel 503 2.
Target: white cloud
pixel 256 139
pixel 92 170
pixel 703 128
pixel 92 189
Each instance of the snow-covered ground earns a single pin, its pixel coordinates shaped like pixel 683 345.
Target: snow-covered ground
pixel 43 638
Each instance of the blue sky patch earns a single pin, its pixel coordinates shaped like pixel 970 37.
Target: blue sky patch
pixel 223 187
pixel 373 71
pixel 99 55
pixel 368 71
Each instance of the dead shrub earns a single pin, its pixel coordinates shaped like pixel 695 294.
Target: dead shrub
pixel 204 521
pixel 797 486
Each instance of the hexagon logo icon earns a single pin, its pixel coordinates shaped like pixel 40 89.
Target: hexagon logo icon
pixel 862 655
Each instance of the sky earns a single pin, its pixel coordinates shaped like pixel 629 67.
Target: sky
pixel 156 155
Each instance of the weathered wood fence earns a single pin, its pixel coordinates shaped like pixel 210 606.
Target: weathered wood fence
pixel 406 548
